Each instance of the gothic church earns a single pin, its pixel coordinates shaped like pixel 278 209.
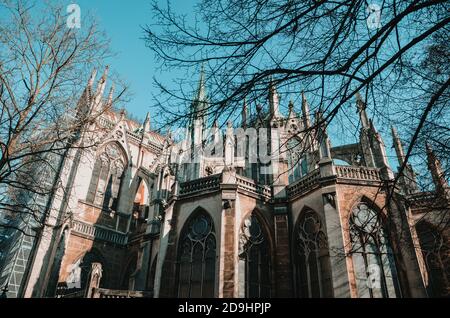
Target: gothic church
pixel 140 221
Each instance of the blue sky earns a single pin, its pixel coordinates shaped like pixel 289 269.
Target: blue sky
pixel 122 22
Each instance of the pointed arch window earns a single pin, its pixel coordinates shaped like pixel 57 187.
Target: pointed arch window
pixel 254 260
pixel 373 259
pixel 197 258
pixel 106 177
pixel 52 286
pixel 312 262
pixel 436 251
pixel 297 164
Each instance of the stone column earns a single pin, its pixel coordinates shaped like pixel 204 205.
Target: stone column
pixel 333 228
pixel 407 257
pixel 282 255
pixel 166 263
pixel 228 249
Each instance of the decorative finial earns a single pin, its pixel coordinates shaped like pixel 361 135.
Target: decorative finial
pixel 360 104
pixel 92 78
pixel 291 105
pixel 110 96
pixel 147 122
pixel 105 74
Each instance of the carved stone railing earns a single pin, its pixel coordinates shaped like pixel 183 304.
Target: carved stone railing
pixel 358 173
pixel 253 187
pixel 422 199
pixel 151 145
pixel 110 293
pixel 99 233
pixel 305 184
pixel 106 123
pixel 134 136
pixel 61 293
pixel 210 183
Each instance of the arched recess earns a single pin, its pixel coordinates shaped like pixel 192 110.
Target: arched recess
pixel 78 278
pixel 106 180
pixel 373 259
pixel 196 258
pixel 53 282
pixel 296 158
pixel 436 253
pixel 312 267
pixel 130 272
pixel 255 258
pixel 140 210
pixel 152 274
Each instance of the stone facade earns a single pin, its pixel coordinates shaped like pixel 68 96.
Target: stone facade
pixel 135 208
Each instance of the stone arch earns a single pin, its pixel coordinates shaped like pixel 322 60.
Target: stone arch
pixel 256 270
pixel 365 199
pixel 196 256
pixel 311 258
pixel 198 209
pixel 373 260
pixel 107 179
pixel 101 148
pixel 262 218
pixel 80 270
pixel 303 209
pixel 264 222
pixel 350 154
pixel 129 272
pixel 435 249
pixel 142 176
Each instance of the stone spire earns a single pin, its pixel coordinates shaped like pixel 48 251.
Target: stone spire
pixel 84 104
pixel 100 91
pixel 398 147
pixel 147 123
pixel 200 103
pixel 244 114
pixel 305 112
pixel 201 90
pixel 367 138
pixel 291 114
pixel 361 106
pixel 110 96
pixel 92 79
pixel 274 101
pixel 408 180
pixel 434 165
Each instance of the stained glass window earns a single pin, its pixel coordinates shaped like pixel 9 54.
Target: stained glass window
pixel 106 178
pixel 297 164
pixel 197 258
pixel 312 262
pixel 436 251
pixel 373 259
pixel 255 259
